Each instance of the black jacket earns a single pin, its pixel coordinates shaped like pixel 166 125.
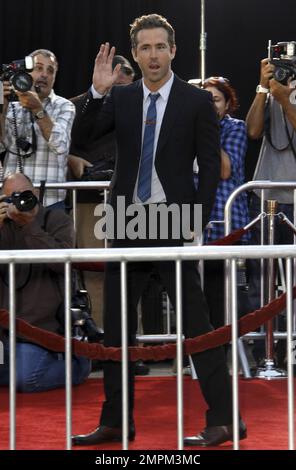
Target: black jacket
pixel 189 129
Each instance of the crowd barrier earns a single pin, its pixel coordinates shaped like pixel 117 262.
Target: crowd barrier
pixel 228 253
pixel 124 256
pixel 270 370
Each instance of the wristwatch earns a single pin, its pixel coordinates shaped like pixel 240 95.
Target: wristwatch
pixel 262 89
pixel 40 114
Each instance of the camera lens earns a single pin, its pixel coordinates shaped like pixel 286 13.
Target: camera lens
pixel 281 74
pixel 22 81
pixel 25 201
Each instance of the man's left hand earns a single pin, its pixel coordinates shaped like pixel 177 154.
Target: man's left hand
pixel 22 218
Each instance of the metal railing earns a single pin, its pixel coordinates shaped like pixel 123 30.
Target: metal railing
pixel 76 185
pixel 124 256
pixel 269 370
pixel 251 185
pixel 73 186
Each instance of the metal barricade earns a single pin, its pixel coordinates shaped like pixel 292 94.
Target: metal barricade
pixel 151 254
pixel 259 185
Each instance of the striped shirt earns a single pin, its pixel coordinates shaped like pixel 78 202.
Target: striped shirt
pixel 49 162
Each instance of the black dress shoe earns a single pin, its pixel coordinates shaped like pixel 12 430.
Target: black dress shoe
pixel 101 434
pixel 215 435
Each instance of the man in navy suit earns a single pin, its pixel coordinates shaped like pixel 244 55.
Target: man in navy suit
pixel 184 126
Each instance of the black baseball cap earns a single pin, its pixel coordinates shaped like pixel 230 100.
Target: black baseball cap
pixel 126 66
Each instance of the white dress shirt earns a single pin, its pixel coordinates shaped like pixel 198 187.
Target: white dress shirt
pixel 157 192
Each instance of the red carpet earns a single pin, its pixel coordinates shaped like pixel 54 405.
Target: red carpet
pixel 41 417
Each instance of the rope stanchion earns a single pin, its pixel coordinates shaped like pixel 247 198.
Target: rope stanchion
pixel 213 339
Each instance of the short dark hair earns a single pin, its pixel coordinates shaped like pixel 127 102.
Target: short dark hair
pixel 126 66
pixel 45 53
pixel 150 22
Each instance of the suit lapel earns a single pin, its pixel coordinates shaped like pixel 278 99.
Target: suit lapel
pixel 136 116
pixel 171 112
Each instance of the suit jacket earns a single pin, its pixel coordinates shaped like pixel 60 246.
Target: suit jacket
pixel 98 150
pixel 189 129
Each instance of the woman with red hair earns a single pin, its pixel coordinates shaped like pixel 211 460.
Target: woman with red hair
pixel 233 150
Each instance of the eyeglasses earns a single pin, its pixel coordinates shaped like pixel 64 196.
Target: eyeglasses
pixel 216 79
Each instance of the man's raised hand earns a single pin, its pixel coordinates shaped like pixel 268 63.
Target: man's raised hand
pixel 104 76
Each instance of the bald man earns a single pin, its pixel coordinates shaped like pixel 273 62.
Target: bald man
pixel 39 287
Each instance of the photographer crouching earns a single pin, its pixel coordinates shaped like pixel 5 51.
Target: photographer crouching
pixel 25 224
pixel 35 122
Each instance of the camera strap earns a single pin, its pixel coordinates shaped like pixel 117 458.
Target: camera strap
pixel 290 137
pixel 34 138
pixel 19 141
pixel 267 131
pixel 20 166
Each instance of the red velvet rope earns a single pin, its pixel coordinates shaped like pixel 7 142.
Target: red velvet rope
pixel 54 342
pixel 231 238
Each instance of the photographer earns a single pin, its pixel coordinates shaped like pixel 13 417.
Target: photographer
pixel 39 287
pixel 273 117
pixel 36 128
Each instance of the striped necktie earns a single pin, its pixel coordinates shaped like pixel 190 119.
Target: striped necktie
pixel 145 172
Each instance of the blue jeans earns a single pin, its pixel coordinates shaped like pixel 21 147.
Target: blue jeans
pixel 38 369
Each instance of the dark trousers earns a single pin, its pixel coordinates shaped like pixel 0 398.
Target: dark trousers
pixel 210 365
pixel 214 278
pixel 151 306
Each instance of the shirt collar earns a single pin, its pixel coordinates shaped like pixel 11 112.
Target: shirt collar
pixel 225 120
pixel 164 91
pixel 51 98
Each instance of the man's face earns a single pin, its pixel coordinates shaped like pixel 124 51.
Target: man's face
pixel 154 55
pixel 44 73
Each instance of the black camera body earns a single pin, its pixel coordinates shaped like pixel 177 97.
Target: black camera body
pixel 17 74
pixel 283 56
pixel 24 201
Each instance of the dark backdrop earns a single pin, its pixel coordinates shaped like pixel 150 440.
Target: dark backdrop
pixel 238 31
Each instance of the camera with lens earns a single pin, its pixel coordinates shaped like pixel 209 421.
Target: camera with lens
pixel 24 201
pixel 283 56
pixel 17 74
